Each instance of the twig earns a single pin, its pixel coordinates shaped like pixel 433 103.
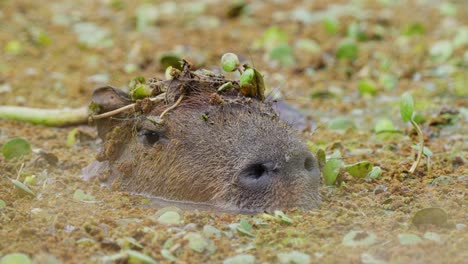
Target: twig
pixel 172 106
pixel 156 99
pixel 18 174
pixel 111 113
pixel 421 147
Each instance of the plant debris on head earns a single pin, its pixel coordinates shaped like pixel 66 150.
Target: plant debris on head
pixel 184 83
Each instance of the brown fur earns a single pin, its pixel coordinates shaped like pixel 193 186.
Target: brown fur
pixel 205 160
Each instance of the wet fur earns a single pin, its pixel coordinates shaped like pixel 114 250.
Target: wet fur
pixel 200 160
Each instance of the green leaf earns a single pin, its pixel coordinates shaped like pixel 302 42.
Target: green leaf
pixel 196 242
pixel 388 82
pixel 211 231
pixel 347 49
pixel 13 47
pixel 15 258
pixel 448 9
pixel 129 243
pixel 22 187
pixel 433 237
pixel 80 195
pixel 307 46
pixel 135 257
pixel 441 50
pixel 332 168
pixel 40 37
pixel 139 88
pixel 409 239
pixel 168 255
pixel 282 217
pixel 84 241
pixel 271 38
pixel 355 31
pixel 340 123
pixel 31 180
pixel 92 35
pixel 71 137
pixel 225 87
pixel 245 228
pixel 247 77
pixel 229 62
pixel 170 218
pixel 240 259
pixel 367 87
pixel 384 125
pixel 461 38
pixel 170 59
pixel 430 216
pixel 294 257
pixel 406 107
pixel 375 173
pixel 141 91
pixel 321 158
pixel 2 204
pixel 146 15
pixel 284 54
pixel 359 238
pixel 441 181
pixel 414 29
pixel 330 25
pixel 360 169
pixel 16 148
pixel 252 83
pixel 426 151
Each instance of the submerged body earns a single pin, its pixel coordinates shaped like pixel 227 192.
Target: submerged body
pixel 230 152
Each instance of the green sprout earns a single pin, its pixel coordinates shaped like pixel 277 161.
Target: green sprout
pixel 251 83
pixel 347 50
pixel 225 87
pixel 407 111
pixel 139 89
pixel 332 168
pixel 230 62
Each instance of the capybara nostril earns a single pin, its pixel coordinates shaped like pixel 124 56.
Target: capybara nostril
pixel 257 175
pixel 255 171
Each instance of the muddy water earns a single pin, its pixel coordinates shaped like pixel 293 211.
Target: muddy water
pixel 406 42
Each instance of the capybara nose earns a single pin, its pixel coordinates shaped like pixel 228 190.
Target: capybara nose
pixel 259 175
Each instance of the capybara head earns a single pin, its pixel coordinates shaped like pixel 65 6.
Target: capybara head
pixel 225 150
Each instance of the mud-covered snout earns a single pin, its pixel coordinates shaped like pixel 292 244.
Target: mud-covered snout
pixel 288 179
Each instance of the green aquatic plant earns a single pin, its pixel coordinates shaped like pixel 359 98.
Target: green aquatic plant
pixel 407 115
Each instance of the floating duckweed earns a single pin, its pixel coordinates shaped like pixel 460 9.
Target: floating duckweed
pixel 15 258
pixel 170 218
pixel 16 148
pixel 359 169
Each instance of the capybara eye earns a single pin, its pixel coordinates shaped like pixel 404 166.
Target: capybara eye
pixel 148 137
pixel 309 164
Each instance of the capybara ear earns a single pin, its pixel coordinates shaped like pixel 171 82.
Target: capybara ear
pixel 105 99
pixel 109 98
